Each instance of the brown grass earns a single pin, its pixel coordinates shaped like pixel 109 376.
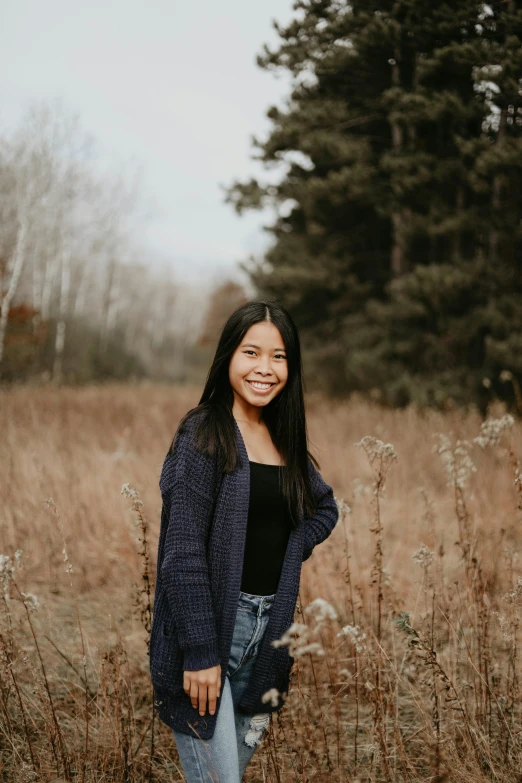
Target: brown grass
pixel 427 688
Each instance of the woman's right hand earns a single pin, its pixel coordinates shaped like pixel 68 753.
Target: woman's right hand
pixel 203 684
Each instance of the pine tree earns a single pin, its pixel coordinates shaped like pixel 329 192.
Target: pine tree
pixel 450 331
pixel 401 195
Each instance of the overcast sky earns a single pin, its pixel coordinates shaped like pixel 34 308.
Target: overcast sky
pixel 170 87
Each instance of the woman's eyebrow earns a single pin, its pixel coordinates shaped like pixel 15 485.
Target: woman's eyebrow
pixel 251 345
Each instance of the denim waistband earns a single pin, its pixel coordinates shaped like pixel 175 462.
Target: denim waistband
pixel 256 602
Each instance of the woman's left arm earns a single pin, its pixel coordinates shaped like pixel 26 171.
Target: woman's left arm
pixel 319 527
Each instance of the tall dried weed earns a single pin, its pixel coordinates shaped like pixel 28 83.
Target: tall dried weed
pixel 406 635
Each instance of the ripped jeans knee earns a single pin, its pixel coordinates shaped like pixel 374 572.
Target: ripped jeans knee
pixel 258 724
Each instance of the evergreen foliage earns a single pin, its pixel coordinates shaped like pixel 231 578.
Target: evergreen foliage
pixel 397 245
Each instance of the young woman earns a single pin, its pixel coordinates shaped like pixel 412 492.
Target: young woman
pixel 243 507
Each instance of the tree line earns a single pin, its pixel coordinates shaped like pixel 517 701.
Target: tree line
pixel 80 299
pixel 397 241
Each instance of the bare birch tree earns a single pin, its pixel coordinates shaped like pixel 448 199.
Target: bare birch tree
pixel 16 213
pixel 68 246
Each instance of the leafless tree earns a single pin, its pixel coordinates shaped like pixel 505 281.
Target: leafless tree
pixel 69 247
pixel 60 218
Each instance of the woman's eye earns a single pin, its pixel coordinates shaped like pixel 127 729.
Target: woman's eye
pixel 280 355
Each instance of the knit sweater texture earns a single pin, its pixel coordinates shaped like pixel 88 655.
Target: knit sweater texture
pixel 198 580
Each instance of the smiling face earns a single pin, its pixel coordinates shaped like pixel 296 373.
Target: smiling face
pixel 258 368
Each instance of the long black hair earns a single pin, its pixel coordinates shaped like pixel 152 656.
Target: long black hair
pixel 284 416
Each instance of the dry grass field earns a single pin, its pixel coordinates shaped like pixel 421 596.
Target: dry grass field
pixel 411 607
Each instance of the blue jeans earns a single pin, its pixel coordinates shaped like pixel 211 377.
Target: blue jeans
pixel 224 757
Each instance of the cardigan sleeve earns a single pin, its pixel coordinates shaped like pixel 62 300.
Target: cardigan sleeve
pixel 320 526
pixel 187 484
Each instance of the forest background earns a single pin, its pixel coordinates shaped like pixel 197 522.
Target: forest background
pixel 397 237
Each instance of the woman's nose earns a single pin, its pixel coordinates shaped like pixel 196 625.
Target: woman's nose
pixel 264 367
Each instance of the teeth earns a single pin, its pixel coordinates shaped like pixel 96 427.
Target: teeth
pixel 260 385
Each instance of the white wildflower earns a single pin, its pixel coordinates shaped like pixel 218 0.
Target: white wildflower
pixel 491 430
pixel 131 493
pixel 423 557
pixel 296 638
pixel 293 638
pixel 31 601
pixel 26 773
pixel 68 566
pixel 343 507
pixel 486 382
pixel 377 450
pixel 8 566
pixel 513 597
pixel 356 636
pixel 321 611
pixel 506 376
pixel 458 465
pixel 272 696
pixel 312 647
pixel 360 489
pixel 504 626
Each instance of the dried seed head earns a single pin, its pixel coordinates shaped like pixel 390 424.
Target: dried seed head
pixel 356 636
pixel 312 647
pixel 8 566
pixel 458 465
pixel 294 638
pixel 343 507
pixel 515 596
pixel 504 626
pixel 491 430
pixel 376 449
pixel 31 601
pixel 131 493
pixel 402 621
pixel 423 557
pixel 321 610
pixel 272 696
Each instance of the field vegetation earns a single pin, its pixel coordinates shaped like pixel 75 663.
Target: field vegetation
pixel 406 634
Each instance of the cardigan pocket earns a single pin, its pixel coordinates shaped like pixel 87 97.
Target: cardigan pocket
pixel 165 662
pixel 166 658
pixel 168 628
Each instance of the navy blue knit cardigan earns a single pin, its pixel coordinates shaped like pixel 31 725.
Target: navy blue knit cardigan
pixel 198 581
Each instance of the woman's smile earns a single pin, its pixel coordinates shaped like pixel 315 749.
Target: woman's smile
pixel 261 387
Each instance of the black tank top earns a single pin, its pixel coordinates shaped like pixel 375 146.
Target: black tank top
pixel 268 529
